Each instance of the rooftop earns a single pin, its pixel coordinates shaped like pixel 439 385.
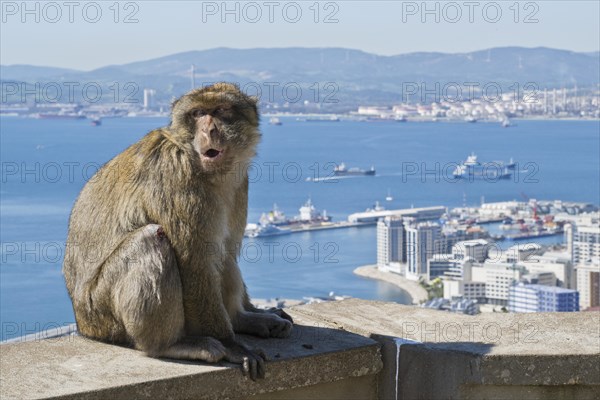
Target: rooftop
pixel 546 288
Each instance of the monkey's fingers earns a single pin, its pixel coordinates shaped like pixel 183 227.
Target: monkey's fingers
pixel 262 354
pixel 253 365
pixel 281 329
pixel 282 314
pixel 246 367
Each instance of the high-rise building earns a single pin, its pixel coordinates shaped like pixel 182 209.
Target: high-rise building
pixel 586 244
pixel 149 95
pixel 391 241
pixel 474 249
pixel 588 285
pixel 583 239
pixel 420 241
pixel 542 298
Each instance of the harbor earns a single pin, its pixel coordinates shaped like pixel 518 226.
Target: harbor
pixel 502 221
pixel 275 223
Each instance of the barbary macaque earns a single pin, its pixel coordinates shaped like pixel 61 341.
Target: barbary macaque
pixel 155 236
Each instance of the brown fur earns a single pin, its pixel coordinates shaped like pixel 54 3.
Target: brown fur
pixel 154 238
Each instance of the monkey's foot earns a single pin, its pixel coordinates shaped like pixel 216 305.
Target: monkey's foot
pixel 263 325
pixel 252 361
pixel 196 348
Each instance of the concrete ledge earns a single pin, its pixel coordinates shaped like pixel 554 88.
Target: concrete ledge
pixel 488 356
pixel 336 352
pixel 73 367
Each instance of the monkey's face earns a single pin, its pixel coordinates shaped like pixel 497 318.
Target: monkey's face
pixel 222 124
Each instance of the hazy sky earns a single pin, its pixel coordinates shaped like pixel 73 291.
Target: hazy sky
pixel 67 36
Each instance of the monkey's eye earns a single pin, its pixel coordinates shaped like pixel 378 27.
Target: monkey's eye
pixel 223 112
pixel 198 113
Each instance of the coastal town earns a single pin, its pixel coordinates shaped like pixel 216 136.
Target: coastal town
pixel 502 107
pixel 486 258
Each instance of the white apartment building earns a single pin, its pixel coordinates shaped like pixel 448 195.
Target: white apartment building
pixel 420 239
pixel 586 244
pixel 517 253
pixel 498 277
pixel 391 243
pixel 588 285
pixel 466 289
pixel 583 240
pixel 473 249
pixel 149 95
pixel 561 267
pixel 540 278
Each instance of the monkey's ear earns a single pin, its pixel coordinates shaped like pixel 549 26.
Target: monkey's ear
pixel 254 102
pixel 174 103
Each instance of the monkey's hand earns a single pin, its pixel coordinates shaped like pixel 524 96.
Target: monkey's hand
pixel 253 361
pixel 281 313
pixel 263 324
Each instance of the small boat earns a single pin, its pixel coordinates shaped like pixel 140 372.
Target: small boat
pixel 275 121
pixel 96 122
pixel 389 196
pixel 376 207
pixel 471 160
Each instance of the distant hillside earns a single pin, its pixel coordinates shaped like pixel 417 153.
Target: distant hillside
pixel 360 76
pixel 31 72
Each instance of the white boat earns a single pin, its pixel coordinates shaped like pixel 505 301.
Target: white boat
pixel 265 230
pixel 471 160
pixel 376 207
pixel 511 164
pixel 389 196
pixel 309 214
pixel 275 121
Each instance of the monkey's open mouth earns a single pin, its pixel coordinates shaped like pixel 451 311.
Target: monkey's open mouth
pixel 212 153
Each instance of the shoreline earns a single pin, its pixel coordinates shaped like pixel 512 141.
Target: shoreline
pixel 414 290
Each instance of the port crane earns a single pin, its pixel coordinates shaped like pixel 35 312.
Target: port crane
pixel 533 204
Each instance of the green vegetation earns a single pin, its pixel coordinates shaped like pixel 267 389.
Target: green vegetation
pixel 435 288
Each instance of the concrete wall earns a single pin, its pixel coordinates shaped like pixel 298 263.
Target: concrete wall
pixel 339 350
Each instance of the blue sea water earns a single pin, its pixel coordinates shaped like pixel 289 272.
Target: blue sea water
pixel 46 162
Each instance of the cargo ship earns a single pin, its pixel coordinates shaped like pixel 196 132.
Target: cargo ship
pixel 61 116
pixel 341 170
pixel 471 168
pixel 275 222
